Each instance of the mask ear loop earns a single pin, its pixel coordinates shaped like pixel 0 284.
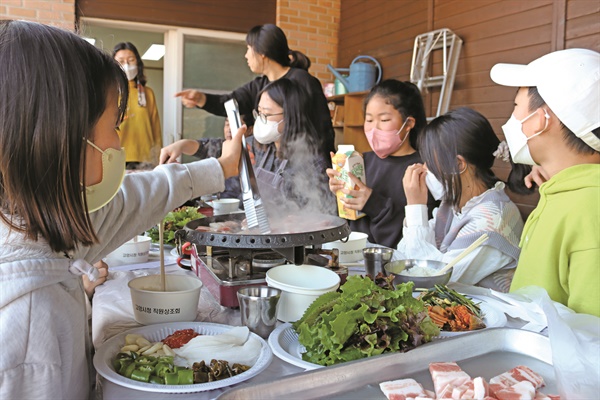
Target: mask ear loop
pixel 547 116
pixel 400 130
pixel 94 146
pixel 466 164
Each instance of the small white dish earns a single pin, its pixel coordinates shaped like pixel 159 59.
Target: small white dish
pixel 225 206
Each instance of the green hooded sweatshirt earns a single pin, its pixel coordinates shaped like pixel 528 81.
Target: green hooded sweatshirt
pixel 560 245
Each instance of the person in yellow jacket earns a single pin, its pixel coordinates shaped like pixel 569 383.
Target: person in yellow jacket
pixel 556 125
pixel 140 131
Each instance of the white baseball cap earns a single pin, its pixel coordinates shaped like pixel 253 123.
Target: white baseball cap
pixel 568 81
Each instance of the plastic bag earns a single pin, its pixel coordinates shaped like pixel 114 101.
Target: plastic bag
pixel 575 341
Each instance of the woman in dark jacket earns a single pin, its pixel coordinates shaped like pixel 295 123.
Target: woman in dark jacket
pixel 268 54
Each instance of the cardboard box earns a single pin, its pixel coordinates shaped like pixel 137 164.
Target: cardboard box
pixel 348 160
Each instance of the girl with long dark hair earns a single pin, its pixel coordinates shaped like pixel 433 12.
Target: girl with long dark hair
pixel 457 149
pixel 65 201
pixel 140 131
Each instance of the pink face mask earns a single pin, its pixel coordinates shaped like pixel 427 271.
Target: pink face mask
pixel 385 143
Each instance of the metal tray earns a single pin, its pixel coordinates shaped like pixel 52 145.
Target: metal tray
pixel 486 353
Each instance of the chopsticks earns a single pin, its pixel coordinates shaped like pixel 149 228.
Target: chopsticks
pixel 465 252
pixel 161 234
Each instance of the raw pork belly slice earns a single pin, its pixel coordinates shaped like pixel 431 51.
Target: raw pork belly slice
pixel 447 373
pixel 523 390
pixel 403 389
pixel 477 389
pixel 519 374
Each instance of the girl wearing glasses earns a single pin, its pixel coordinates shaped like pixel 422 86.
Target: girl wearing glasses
pixel 287 162
pixel 293 168
pixel 269 56
pixel 394 118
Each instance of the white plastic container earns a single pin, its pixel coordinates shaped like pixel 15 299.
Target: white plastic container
pixel 300 286
pixel 225 206
pixel 131 252
pixel 179 303
pixel 352 250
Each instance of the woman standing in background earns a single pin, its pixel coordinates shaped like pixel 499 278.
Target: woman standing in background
pixel 268 54
pixel 140 131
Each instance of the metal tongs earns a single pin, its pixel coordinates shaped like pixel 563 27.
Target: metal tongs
pixel 256 215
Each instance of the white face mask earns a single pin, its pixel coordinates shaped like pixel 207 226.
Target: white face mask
pixel 113 171
pixel 436 188
pixel 131 71
pixel 267 132
pixel 517 140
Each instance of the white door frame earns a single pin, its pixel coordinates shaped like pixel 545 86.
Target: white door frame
pixel 174 36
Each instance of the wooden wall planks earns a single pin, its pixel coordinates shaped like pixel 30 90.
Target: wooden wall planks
pixel 492 30
pixel 226 15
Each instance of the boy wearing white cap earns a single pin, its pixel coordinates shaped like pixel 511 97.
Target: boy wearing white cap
pixel 556 124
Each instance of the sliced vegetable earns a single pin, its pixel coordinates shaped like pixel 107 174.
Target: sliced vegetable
pixel 156 380
pixel 129 370
pixel 185 376
pixel 171 378
pixel 142 376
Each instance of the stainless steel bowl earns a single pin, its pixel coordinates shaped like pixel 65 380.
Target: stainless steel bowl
pixel 423 282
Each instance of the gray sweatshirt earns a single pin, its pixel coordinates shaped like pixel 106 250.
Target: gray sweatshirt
pixel 43 321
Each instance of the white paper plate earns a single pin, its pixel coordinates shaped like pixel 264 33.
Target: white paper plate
pixel 284 339
pixel 109 349
pixel 284 343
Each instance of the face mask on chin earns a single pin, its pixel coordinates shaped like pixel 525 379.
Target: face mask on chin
pixel 130 70
pixel 113 171
pixel 266 133
pixel 385 143
pixel 517 140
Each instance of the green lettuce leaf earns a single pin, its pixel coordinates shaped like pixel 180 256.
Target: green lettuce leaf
pixel 174 221
pixel 365 318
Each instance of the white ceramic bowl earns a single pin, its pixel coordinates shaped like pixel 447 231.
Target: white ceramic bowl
pixel 178 303
pixel 300 286
pixel 225 206
pixel 131 252
pixel 352 250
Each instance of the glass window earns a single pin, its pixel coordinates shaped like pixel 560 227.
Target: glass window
pixel 213 66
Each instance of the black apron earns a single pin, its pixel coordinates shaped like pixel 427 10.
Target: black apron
pixel 270 184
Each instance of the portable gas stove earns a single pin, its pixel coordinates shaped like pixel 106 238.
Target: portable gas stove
pixel 226 262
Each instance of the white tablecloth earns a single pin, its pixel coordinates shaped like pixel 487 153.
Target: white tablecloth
pixel 112 314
